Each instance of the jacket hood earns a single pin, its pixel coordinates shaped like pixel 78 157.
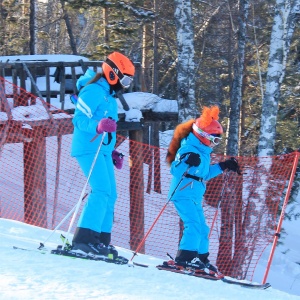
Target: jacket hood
pixel 84 79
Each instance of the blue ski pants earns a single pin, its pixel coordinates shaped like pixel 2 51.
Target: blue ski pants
pixel 196 231
pixel 98 211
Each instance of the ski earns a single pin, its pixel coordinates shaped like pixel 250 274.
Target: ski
pixel 67 251
pixel 68 246
pixel 119 260
pixel 247 284
pixel 140 265
pixel 198 273
pixel 188 271
pixel 42 251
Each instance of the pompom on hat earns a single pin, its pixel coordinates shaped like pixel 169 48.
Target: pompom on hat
pixel 206 128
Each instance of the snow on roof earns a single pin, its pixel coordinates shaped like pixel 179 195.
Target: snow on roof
pixel 137 101
pixel 42 57
pixel 144 101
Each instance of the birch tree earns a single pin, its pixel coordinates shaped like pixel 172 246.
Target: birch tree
pixel 236 91
pixel 281 35
pixel 186 67
pixel 32 27
pixel 286 14
pixel 66 18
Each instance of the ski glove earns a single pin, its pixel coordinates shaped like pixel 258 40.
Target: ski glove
pixel 230 164
pixel 193 160
pixel 117 158
pixel 107 125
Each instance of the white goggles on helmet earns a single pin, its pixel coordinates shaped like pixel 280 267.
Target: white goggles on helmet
pixel 125 80
pixel 216 139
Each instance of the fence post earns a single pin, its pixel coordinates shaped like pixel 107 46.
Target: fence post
pixel 285 202
pixel 136 189
pixel 35 195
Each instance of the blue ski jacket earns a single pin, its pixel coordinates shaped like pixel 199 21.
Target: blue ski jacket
pixel 95 102
pixel 193 189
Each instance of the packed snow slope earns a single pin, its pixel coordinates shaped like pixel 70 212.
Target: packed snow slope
pixel 32 275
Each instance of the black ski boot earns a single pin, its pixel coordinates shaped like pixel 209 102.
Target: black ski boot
pixel 188 259
pixel 204 259
pixel 87 241
pixel 105 238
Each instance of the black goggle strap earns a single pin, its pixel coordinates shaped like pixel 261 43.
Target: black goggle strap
pixel 115 68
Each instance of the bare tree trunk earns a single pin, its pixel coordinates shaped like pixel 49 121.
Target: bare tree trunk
pixel 25 26
pixel 69 28
pixel 187 108
pixel 32 27
pixel 155 53
pixel 146 76
pixel 145 59
pixel 85 35
pixel 3 15
pixel 236 92
pixel 105 25
pixel 165 78
pixel 286 15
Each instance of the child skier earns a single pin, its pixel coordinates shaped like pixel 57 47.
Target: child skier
pixel 189 157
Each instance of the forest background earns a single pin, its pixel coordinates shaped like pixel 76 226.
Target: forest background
pixel 241 55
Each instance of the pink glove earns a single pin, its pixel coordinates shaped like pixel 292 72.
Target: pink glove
pixel 117 158
pixel 106 124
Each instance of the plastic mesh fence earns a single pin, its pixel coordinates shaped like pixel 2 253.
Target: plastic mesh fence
pixel 41 183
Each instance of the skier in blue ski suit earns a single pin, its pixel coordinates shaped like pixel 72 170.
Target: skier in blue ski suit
pixel 191 168
pixel 97 112
pixel 188 198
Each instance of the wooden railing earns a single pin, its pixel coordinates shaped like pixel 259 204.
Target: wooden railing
pixel 52 79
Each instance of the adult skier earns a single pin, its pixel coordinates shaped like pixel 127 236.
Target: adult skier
pixel 96 113
pixel 190 149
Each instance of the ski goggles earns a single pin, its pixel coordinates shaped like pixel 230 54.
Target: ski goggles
pixel 125 80
pixel 214 138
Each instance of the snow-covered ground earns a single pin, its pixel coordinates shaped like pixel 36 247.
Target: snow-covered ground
pixel 285 268
pixel 31 275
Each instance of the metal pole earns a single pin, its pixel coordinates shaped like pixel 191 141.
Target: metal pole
pixel 162 210
pixel 226 175
pixel 285 202
pixel 42 245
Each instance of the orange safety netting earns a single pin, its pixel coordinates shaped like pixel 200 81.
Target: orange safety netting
pixel 41 183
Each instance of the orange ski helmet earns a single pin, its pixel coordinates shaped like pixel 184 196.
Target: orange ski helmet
pixel 118 67
pixel 207 128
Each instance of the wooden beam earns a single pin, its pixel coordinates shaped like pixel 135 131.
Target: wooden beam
pixel 136 189
pixel 35 193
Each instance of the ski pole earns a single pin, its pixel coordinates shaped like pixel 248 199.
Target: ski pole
pixel 162 210
pixel 83 191
pixel 226 176
pixel 219 203
pixel 42 245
